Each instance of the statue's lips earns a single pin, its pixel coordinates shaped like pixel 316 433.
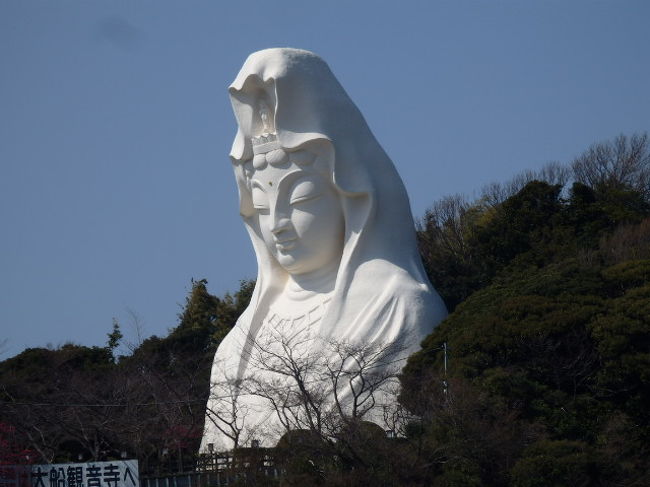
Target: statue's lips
pixel 287 244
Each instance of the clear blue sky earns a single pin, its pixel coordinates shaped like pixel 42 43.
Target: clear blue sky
pixel 115 125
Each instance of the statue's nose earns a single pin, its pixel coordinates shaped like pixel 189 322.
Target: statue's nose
pixel 280 224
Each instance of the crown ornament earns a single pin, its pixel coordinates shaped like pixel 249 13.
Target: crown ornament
pixel 266 141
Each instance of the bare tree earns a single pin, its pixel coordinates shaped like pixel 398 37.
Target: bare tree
pixel 136 325
pixel 396 416
pixel 167 390
pixel 79 411
pixel 553 173
pixel 627 242
pixel 446 224
pixel 228 412
pixel 322 385
pixel 362 376
pixel 34 425
pixel 621 163
pixel 290 378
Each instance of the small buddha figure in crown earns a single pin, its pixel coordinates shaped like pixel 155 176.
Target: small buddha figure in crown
pixel 265 116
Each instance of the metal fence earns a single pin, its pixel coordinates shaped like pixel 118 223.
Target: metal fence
pixel 217 470
pixel 205 479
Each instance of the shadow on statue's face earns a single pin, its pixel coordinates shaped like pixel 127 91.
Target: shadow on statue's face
pixel 300 217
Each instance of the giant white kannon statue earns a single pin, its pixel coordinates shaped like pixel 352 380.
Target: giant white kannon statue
pixel 333 233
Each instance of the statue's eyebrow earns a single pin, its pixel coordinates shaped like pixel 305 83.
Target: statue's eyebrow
pixel 258 184
pixel 290 178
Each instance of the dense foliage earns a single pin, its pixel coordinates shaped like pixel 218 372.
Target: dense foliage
pixel 547 279
pixel 555 333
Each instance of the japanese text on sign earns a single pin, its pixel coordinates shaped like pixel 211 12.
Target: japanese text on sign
pixel 98 474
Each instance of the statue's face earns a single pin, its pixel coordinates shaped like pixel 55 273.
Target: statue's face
pixel 300 217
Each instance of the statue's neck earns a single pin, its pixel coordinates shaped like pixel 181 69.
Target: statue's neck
pixel 300 287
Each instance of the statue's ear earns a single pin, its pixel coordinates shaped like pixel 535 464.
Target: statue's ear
pixel 350 175
pixel 347 180
pixel 323 154
pixel 246 208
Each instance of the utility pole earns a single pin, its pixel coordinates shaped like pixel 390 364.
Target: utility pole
pixel 444 347
pixel 445 384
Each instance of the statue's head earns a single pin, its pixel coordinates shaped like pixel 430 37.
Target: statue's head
pixel 316 190
pixel 291 195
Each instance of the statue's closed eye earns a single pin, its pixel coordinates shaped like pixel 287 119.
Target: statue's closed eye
pixel 304 191
pixel 260 199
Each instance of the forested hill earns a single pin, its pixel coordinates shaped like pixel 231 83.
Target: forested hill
pixel 547 279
